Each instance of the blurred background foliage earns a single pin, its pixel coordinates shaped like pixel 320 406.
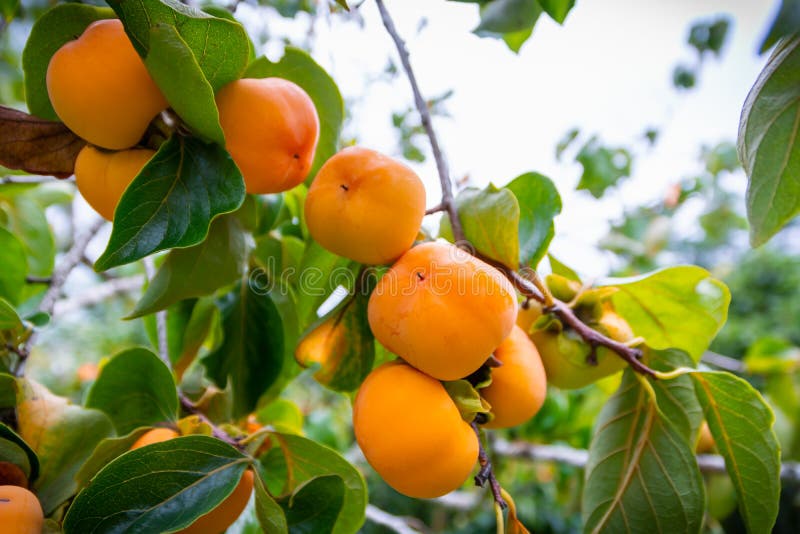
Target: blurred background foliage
pixel 699 220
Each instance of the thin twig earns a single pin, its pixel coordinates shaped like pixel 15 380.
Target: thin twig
pixel 30 279
pixel 485 473
pixel 217 432
pixel 448 200
pixel 99 293
pixel 436 209
pixel 400 525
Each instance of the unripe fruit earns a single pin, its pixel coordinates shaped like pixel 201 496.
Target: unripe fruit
pixel 518 386
pixel 20 511
pixel 705 441
pixel 100 88
pixel 412 433
pixel 565 354
pixel 221 517
pixel 442 310
pixel 271 131
pixel 157 435
pixel 365 206
pixel 102 176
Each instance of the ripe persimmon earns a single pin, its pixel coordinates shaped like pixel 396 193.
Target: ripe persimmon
pixel 20 511
pixel 103 176
pixel 100 88
pixel 365 206
pixel 271 131
pixel 156 435
pixel 442 310
pixel 518 386
pixel 412 433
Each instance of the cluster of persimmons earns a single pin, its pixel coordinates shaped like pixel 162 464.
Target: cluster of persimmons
pixel 441 310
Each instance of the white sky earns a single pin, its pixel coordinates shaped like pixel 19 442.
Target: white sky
pixel 607 70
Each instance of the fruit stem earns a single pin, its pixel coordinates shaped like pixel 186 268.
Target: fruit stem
pixel 485 473
pixel 217 432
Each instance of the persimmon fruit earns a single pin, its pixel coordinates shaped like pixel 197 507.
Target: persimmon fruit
pixel 103 176
pixel 566 355
pixel 20 511
pixel 365 206
pixel 100 88
pixel 412 433
pixel 224 515
pixel 271 131
pixel 519 386
pixel 442 310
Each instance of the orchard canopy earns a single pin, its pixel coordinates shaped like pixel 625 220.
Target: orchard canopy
pixel 310 266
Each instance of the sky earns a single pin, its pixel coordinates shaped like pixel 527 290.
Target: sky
pixel 607 70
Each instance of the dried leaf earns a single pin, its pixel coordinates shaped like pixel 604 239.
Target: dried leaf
pixel 36 145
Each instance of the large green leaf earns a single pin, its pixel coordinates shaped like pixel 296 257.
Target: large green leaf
pixel 220 46
pixel 251 356
pixel 14 267
pixel 341 344
pixel 769 145
pixel 315 506
pixel 62 23
pixel 297 66
pixel 678 307
pixel 741 423
pixel 490 220
pixel 159 488
pixel 173 200
pixel 676 397
pixel 134 389
pixel 177 73
pixel 199 270
pixel 62 435
pixel 299 460
pixel 642 475
pixel 14 449
pixel 539 203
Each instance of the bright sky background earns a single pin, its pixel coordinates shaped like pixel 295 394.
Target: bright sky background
pixel 607 70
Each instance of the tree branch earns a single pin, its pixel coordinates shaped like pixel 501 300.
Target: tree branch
pixel 400 525
pixel 99 293
pixel 448 199
pixel 485 473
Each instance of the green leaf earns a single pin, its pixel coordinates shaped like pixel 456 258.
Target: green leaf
pixel 61 24
pixel 14 449
pixel 318 269
pixel 603 167
pixel 8 8
pixel 63 437
pixel 786 22
pixel 676 397
pixel 742 425
pixel 467 399
pixel 269 513
pixel 173 200
pixel 134 389
pixel 539 203
pixel 199 270
pixel 315 505
pixel 220 46
pixel 505 16
pixel 490 220
pixel 709 36
pixel 642 475
pixel 252 352
pixel 159 488
pixel 177 73
pixel 305 460
pixel 562 269
pixel 14 270
pixel 678 307
pixel 557 9
pixel 9 320
pixel 201 322
pixel 104 453
pixel 29 224
pixel 341 344
pixel 769 145
pixel 297 66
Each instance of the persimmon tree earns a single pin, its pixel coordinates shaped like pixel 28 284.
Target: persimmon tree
pixel 209 196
